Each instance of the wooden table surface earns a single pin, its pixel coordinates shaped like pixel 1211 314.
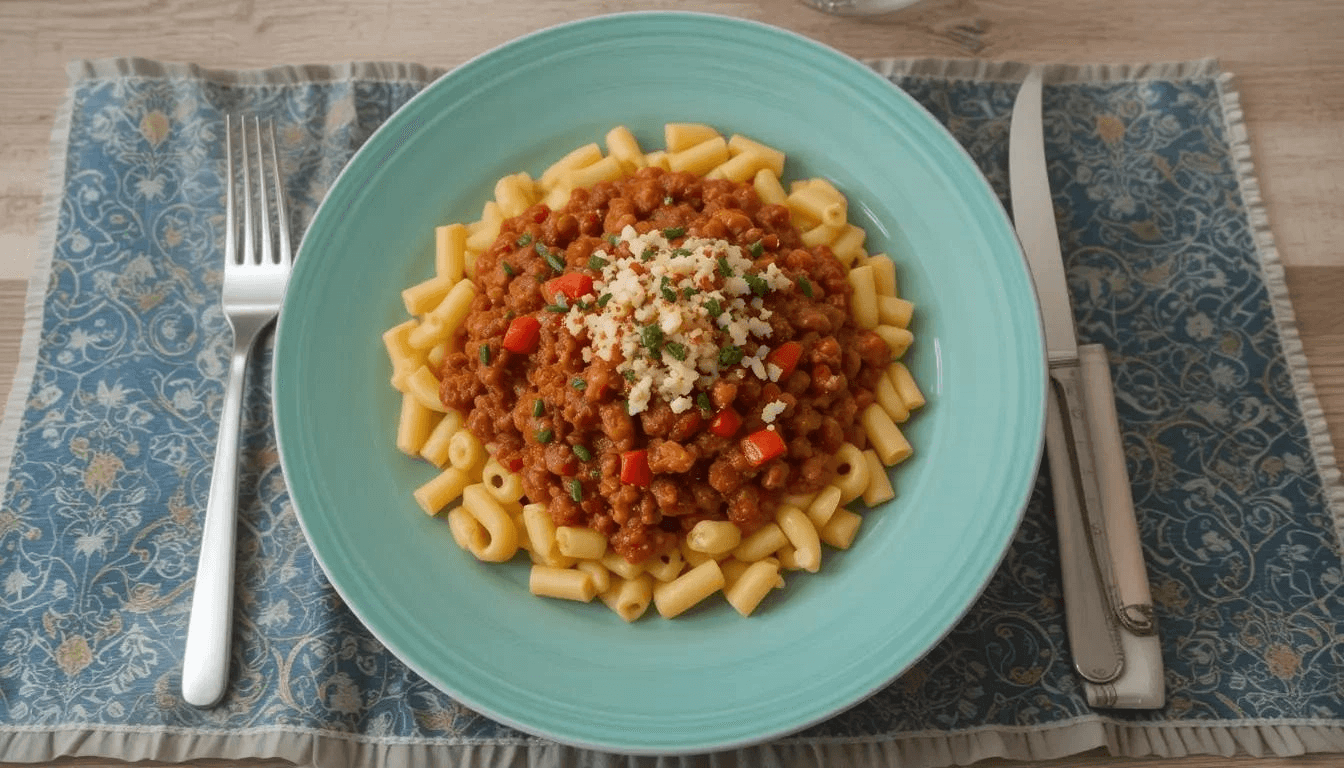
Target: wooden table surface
pixel 1287 56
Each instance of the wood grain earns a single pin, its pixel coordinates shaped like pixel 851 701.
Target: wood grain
pixel 1287 57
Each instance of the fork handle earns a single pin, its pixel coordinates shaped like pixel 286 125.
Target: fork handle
pixel 205 663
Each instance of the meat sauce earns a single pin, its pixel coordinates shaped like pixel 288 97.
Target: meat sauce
pixel 563 420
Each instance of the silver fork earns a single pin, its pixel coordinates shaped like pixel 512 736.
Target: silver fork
pixel 254 286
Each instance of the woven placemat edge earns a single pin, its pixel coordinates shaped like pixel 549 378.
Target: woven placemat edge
pixel 981 70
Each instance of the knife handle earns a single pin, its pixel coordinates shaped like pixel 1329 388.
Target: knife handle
pixel 1132 599
pixel 1094 636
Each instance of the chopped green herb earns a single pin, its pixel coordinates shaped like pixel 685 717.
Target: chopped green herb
pixel 596 474
pixel 524 240
pixel 613 239
pixel 603 299
pixel 714 309
pixel 652 336
pixel 541 249
pixel 558 308
pixel 757 248
pixel 575 490
pixel 596 262
pixel 757 284
pixel 583 453
pixel 544 436
pixel 702 402
pixel 508 270
pixel 730 355
pixel 556 263
pixel 485 354
pixel 805 286
pixel 629 375
pixel 665 288
pixel 724 269
pixel 677 351
pixel 538 408
pixel 672 232
pixel 582 305
pixel 667 200
pixel 681 251
pixel 689 291
pixel 578 384
pixel 647 255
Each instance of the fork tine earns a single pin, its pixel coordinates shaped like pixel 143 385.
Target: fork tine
pixel 267 252
pixel 249 238
pixel 281 209
pixel 230 214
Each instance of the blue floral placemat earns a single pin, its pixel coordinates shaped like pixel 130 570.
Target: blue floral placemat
pixel 108 438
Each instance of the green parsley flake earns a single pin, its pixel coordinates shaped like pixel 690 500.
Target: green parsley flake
pixel 576 490
pixel 714 308
pixel 538 408
pixel 508 270
pixel 730 355
pixel 805 286
pixel 524 240
pixel 652 336
pixel 603 299
pixel 677 351
pixel 757 248
pixel 702 402
pixel 583 453
pixel 578 384
pixel 596 263
pixel 757 284
pixel 672 232
pixel 724 269
pixel 485 354
pixel 544 436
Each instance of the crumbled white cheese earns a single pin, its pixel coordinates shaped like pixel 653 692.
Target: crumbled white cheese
pixel 690 300
pixel 772 410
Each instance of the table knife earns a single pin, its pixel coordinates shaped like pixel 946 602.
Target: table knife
pixel 1092 603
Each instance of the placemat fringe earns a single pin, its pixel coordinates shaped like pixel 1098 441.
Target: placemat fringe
pixel 1014 71
pixel 288 74
pixel 304 746
pixel 1313 414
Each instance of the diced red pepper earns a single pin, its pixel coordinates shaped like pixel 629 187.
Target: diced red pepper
pixel 786 357
pixel 515 463
pixel 725 423
pixel 760 447
pixel 522 335
pixel 539 212
pixel 575 285
pixel 635 468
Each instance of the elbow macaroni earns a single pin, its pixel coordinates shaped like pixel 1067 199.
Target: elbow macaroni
pixel 493 519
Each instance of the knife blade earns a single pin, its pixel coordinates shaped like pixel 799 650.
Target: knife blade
pixel 1090 597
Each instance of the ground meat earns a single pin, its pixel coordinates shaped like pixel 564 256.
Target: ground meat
pixel 562 423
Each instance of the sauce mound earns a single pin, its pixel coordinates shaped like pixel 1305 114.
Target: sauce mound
pixel 661 351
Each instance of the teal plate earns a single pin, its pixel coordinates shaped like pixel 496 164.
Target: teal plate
pixel 710 679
